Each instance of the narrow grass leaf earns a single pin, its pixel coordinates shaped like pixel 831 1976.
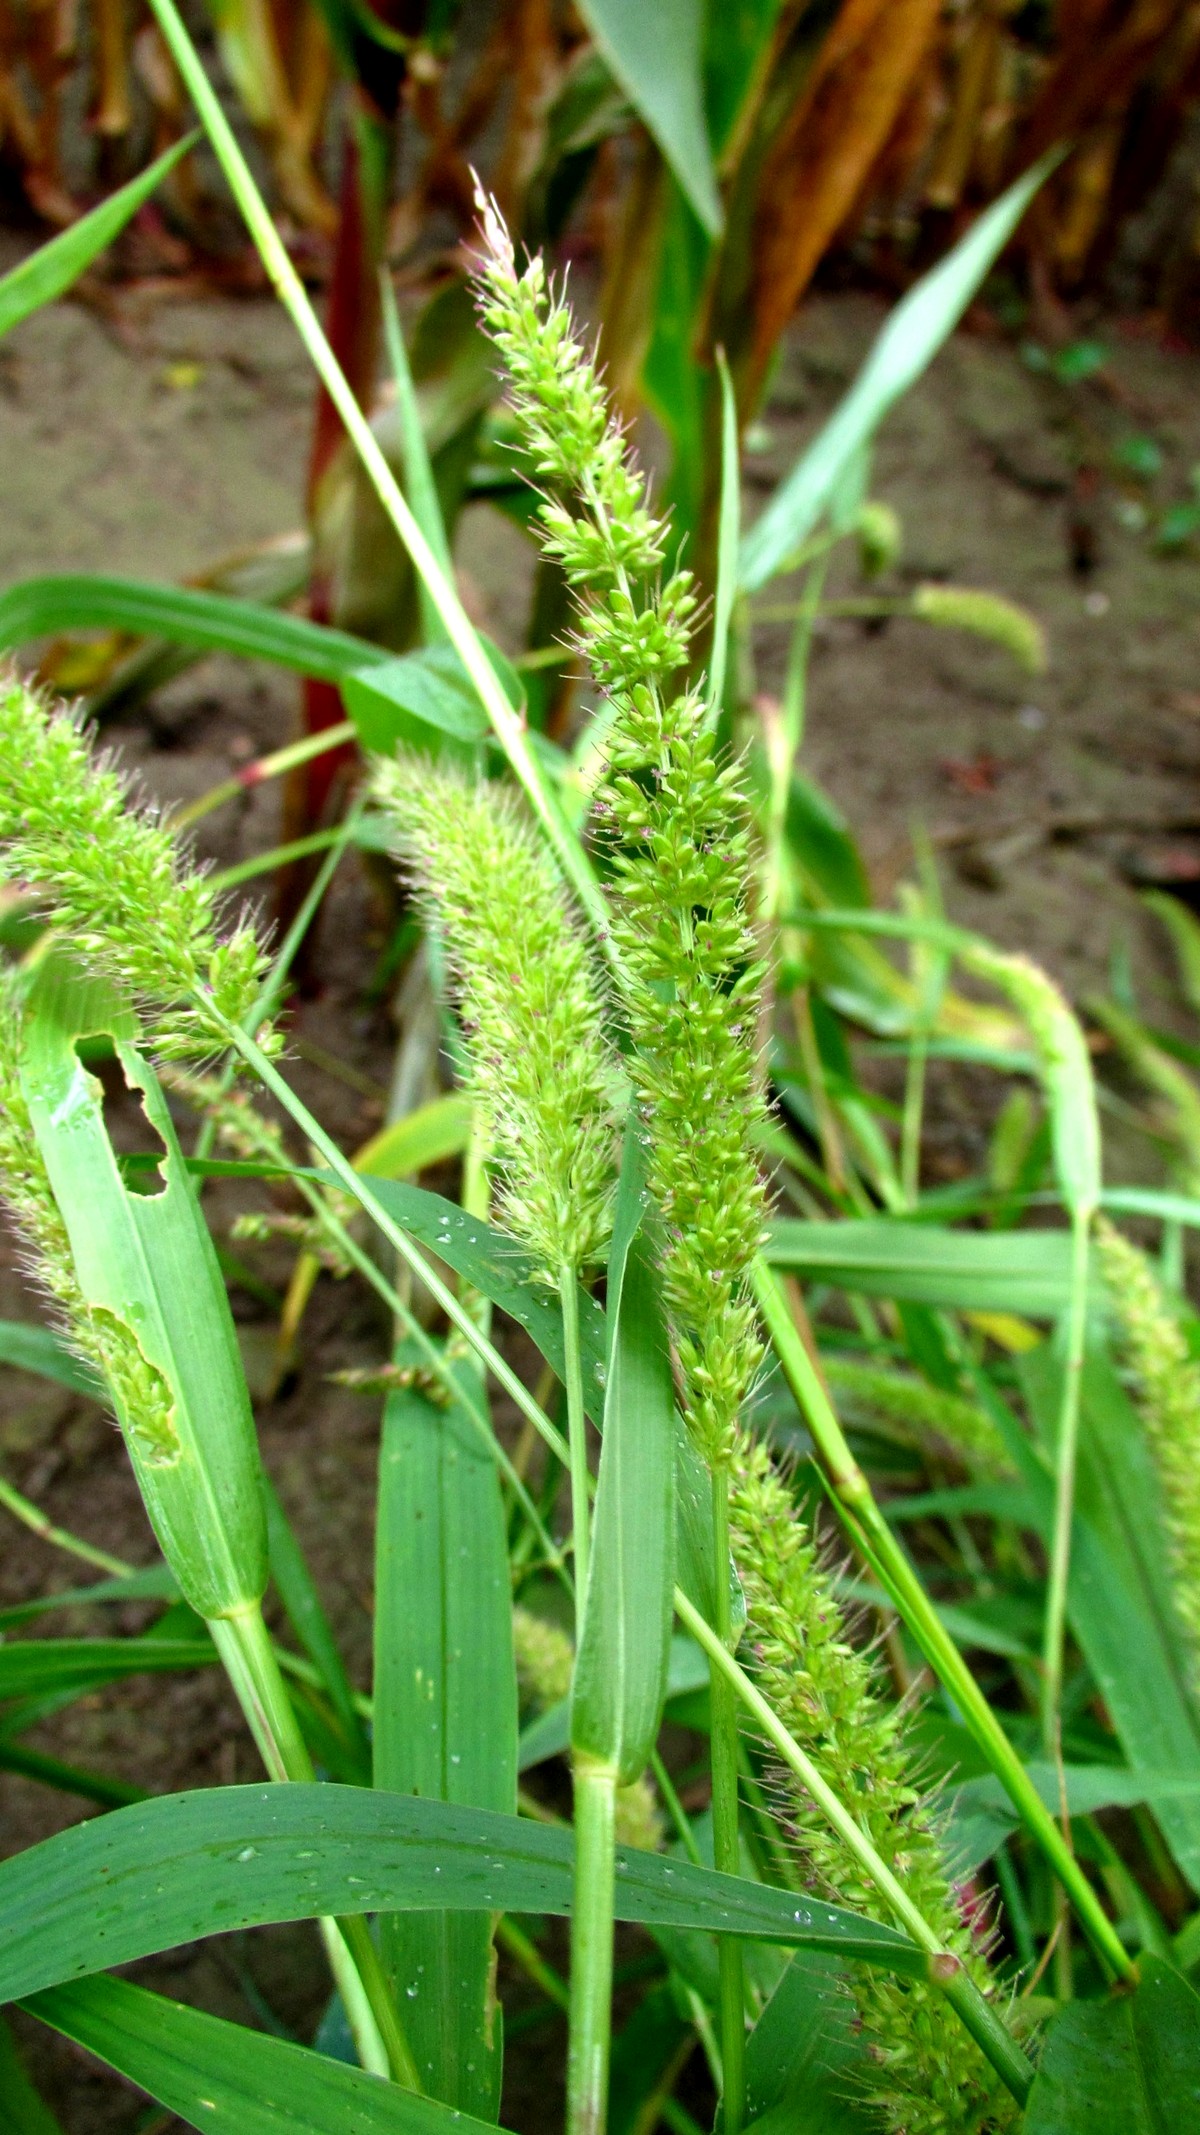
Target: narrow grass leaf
pixel 803 2063
pixel 38 1667
pixel 154 1583
pixel 53 267
pixel 549 1735
pixel 445 1716
pixel 305 1612
pixel 982 1816
pixel 1118 1601
pixel 212 622
pixel 914 332
pixel 214 2074
pixel 728 534
pixel 1025 1272
pixel 184 1866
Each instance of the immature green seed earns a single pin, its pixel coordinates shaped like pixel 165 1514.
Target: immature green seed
pixel 928 2077
pixel 528 996
pixel 112 878
pixel 1167 1383
pixel 671 816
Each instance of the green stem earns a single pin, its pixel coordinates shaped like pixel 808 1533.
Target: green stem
pixel 726 1842
pixel 253 1671
pixel 591 1948
pixel 507 723
pixel 568 1290
pixel 878 1545
pixel 945 1969
pixel 38 1524
pixel 1064 1493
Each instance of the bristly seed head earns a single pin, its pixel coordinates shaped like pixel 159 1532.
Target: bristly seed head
pixel 529 1001
pixel 672 818
pixel 114 880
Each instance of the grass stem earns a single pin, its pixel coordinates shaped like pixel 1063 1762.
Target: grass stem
pixel 568 1290
pixel 945 1970
pixel 591 1948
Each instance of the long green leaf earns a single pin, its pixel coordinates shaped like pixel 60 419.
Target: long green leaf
pixel 1128 2065
pixel 219 2075
pixel 40 1666
pixel 445 1716
pixel 153 1583
pixel 920 1263
pixel 911 338
pixel 402 699
pixel 656 54
pixel 1118 1600
pixel 982 1816
pixel 215 622
pixel 171 1870
pixel 803 2064
pixel 53 267
pixel 621 1666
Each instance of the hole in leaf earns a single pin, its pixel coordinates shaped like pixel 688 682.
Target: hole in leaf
pixel 136 1140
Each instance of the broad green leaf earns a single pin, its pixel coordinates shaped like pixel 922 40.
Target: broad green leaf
pixel 410 697
pixel 183 1866
pixel 1118 1600
pixel 214 622
pixel 1127 2065
pixel 1026 1272
pixel 28 1347
pixel 305 1611
pixel 22 2110
pixel 445 1715
pixel 656 54
pixel 621 1665
pixel 35 1666
pixel 915 331
pixel 53 267
pixel 982 1816
pixel 214 2074
pixel 803 2061
pixel 151 1283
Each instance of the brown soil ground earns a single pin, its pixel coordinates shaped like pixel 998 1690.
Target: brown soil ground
pixel 182 437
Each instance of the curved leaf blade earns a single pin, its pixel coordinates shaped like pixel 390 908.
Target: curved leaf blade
pixel 213 622
pixel 172 1870
pixel 215 2074
pixel 656 54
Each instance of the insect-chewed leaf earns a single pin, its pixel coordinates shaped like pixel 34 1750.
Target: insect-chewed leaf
pixel 621 1669
pixel 159 1317
pixel 168 1871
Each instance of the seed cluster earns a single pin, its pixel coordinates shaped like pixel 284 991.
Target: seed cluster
pixel 671 818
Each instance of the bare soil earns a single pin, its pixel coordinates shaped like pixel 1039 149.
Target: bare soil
pixel 158 447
